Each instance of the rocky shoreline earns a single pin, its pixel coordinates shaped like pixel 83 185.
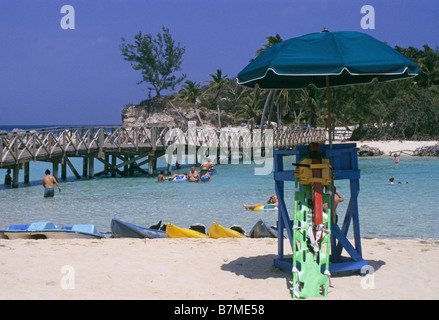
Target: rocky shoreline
pixel 427 151
pixel 401 148
pixel 162 112
pixel 367 151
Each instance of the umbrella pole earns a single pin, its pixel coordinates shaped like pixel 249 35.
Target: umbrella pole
pixel 328 102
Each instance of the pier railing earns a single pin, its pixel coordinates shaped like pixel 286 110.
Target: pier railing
pixel 43 144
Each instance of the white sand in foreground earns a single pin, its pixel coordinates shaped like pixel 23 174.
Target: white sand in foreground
pixel 200 269
pixel 392 146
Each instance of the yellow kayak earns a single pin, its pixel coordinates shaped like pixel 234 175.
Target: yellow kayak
pixel 177 232
pixel 217 231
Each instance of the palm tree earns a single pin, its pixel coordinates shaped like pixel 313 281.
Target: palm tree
pixel 237 92
pixel 271 41
pixel 311 98
pixel 218 82
pixel 250 109
pixel 283 99
pixel 267 102
pixel 190 91
pixel 430 66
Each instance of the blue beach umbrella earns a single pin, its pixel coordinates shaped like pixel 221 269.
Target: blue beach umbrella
pixel 326 59
pixel 347 57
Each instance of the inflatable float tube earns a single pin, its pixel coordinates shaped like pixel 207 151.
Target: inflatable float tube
pixel 173 231
pixel 265 207
pixel 204 178
pixel 217 231
pixel 180 178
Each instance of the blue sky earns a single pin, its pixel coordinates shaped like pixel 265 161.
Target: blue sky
pixel 49 75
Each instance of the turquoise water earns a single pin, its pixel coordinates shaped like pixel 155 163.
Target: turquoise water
pixel 407 210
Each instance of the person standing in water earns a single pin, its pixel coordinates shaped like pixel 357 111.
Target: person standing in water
pixel 337 200
pixel 8 179
pixel 193 175
pixel 161 176
pixel 48 182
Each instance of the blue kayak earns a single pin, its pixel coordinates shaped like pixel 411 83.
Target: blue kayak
pixel 122 229
pixel 47 230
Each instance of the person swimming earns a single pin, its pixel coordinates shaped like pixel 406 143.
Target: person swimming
pixel 207 165
pixel 205 176
pixel 161 176
pixel 392 181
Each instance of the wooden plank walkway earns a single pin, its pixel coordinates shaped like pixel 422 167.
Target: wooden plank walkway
pixel 134 144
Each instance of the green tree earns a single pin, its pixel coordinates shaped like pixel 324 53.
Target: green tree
pixel 429 67
pixel 271 41
pixel 313 101
pixel 157 58
pixel 284 104
pixel 190 92
pixel 217 83
pixel 250 108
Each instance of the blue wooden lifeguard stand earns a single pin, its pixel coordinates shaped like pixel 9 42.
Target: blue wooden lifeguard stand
pixel 344 161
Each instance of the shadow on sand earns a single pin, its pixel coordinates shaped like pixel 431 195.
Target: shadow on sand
pixel 262 267
pixel 258 267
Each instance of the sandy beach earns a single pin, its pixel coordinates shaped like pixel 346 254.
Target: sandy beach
pixel 207 269
pixel 192 269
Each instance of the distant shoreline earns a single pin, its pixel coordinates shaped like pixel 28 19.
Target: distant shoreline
pixel 402 148
pixel 9 128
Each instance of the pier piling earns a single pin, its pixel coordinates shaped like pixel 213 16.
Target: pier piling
pixel 15 175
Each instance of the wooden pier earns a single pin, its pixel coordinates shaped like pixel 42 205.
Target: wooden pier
pixel 134 147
